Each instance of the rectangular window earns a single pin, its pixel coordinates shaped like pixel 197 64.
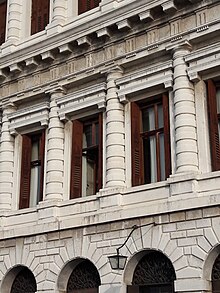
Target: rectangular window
pixel 86 168
pixel 32 168
pixel 214 122
pixel 150 141
pixel 86 5
pixel 39 15
pixel 3 12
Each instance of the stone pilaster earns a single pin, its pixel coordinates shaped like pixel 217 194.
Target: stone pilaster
pixel 14 21
pixel 184 115
pixel 115 133
pixel 6 160
pixel 55 151
pixel 59 11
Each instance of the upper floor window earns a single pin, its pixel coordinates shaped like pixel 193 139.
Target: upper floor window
pixel 214 122
pixel 86 5
pixel 86 167
pixel 32 169
pixel 150 141
pixel 3 12
pixel 216 275
pixel 39 15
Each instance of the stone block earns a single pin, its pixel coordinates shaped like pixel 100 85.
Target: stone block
pixel 195 214
pixel 186 241
pixel 186 225
pixel 199 252
pixel 195 232
pixel 169 227
pixel 203 223
pixel 210 236
pixel 204 244
pixel 178 234
pixel 211 212
pixel 177 217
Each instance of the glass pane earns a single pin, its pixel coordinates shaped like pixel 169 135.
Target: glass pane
pixel 35 186
pixel 150 160
pixel 148 119
pixel 160 116
pixel 87 137
pixel 162 157
pixel 218 100
pixel 35 151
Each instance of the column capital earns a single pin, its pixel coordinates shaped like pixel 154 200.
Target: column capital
pixel 182 48
pixel 112 70
pixel 56 91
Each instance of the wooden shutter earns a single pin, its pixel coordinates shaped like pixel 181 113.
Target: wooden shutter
pixel 42 151
pixel 100 159
pixel 136 146
pixel 39 15
pixel 166 135
pixel 25 172
pixel 213 126
pixel 3 9
pixel 76 166
pixel 86 5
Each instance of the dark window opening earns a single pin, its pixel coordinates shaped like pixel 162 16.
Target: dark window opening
pixel 3 13
pixel 39 15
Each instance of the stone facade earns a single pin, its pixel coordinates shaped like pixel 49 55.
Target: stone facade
pixel 119 53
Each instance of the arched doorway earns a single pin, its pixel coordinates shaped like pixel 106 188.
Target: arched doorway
pixel 216 275
pixel 84 278
pixel 154 273
pixel 24 282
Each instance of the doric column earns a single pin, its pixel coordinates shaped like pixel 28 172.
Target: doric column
pixel 59 11
pixel 55 151
pixel 6 160
pixel 14 20
pixel 184 115
pixel 115 133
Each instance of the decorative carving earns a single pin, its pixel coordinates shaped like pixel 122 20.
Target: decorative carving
pixel 154 268
pixel 24 282
pixel 84 276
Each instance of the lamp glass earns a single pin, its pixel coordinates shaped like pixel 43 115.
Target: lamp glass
pixel 117 261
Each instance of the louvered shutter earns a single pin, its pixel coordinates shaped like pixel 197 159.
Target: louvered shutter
pixel 39 15
pixel 136 145
pixel 86 5
pixel 166 135
pixel 25 172
pixel 213 126
pixel 42 150
pixel 3 9
pixel 100 160
pixel 76 166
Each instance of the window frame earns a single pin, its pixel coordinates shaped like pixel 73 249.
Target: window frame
pixel 77 155
pixel 27 165
pixel 138 136
pixel 214 119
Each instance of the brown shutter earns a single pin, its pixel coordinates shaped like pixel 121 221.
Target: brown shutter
pixel 136 146
pixel 213 126
pixel 132 289
pixel 25 172
pixel 166 135
pixel 100 159
pixel 3 9
pixel 42 150
pixel 86 5
pixel 76 166
pixel 39 15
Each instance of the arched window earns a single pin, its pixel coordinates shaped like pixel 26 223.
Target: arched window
pixel 153 274
pixel 24 282
pixel 216 276
pixel 84 279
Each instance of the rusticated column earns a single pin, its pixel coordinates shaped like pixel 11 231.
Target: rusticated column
pixel 14 20
pixel 55 151
pixel 115 133
pixel 59 11
pixel 6 160
pixel 184 114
